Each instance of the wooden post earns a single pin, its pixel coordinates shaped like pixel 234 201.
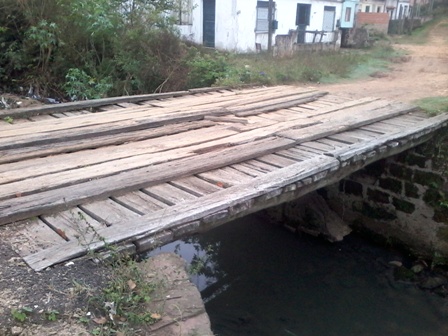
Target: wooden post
pixel 271 3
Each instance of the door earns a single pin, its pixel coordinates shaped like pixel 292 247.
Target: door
pixel 208 30
pixel 302 21
pixel 329 15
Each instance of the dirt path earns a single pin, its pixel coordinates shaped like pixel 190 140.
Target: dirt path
pixel 424 74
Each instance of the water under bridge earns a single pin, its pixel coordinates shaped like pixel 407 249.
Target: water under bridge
pixel 145 170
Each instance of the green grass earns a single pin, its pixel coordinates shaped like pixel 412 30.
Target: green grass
pixel 419 35
pixel 326 67
pixel 433 105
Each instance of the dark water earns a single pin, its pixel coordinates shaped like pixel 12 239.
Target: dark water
pixel 257 279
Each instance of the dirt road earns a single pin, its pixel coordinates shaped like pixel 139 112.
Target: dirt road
pixel 423 74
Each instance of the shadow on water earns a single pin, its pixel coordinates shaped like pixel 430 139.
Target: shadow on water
pixel 257 279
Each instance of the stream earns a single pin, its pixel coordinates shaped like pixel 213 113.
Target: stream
pixel 258 279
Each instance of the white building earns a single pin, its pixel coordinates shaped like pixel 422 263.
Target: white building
pixel 242 25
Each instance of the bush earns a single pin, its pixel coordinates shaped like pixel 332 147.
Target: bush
pixel 206 69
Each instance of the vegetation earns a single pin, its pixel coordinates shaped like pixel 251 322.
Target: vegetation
pixel 433 105
pixel 121 306
pixel 90 49
pixel 113 47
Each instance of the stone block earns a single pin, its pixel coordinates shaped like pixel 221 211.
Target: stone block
pixel 403 205
pixel 375 169
pixel 378 196
pixel 429 179
pixel 411 190
pixel 352 188
pixel 400 171
pixel 414 159
pixel 391 184
pixel 377 212
pixel 432 197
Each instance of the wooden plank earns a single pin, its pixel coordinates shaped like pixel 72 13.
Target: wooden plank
pixel 31 236
pixel 168 194
pixel 312 150
pixel 335 144
pixel 226 119
pixel 225 177
pixel 64 134
pixel 261 166
pixel 195 185
pixel 289 153
pixel 53 200
pixel 300 152
pixel 381 128
pixel 362 134
pixel 73 224
pixel 337 124
pixel 107 211
pixel 185 212
pixel 429 125
pixel 263 108
pixel 248 170
pixel 345 138
pixel 276 160
pixel 55 108
pixel 241 98
pixel 89 124
pixel 322 147
pixel 41 117
pixel 139 202
pixel 32 151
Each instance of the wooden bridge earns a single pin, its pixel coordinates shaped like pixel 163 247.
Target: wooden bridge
pixel 145 170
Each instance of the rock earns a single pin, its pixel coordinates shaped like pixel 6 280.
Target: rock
pixel 417 268
pixel 396 263
pixel 177 301
pixel 311 214
pixel 433 282
pixel 16 330
pixel 403 274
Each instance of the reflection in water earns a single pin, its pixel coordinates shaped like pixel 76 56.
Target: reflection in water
pixel 257 279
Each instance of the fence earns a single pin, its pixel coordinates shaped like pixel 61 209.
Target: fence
pixel 310 40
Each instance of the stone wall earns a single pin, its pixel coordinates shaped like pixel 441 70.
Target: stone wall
pixel 401 198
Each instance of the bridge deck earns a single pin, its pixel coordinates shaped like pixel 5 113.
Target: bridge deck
pixel 148 172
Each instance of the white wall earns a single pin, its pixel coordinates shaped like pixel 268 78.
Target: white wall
pixel 236 19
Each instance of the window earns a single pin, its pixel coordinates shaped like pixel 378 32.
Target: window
pixel 329 15
pixel 348 14
pixel 183 12
pixel 378 10
pixel 303 14
pixel 262 25
pixel 367 9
